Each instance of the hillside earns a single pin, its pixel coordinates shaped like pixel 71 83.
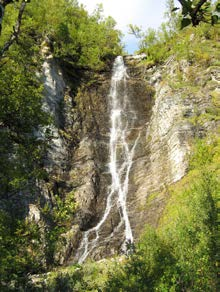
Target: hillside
pixel 109 166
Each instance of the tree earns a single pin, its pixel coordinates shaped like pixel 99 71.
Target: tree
pixel 197 11
pixel 16 27
pixel 3 4
pixel 135 30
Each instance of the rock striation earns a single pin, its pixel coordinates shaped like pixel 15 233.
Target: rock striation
pixel 167 119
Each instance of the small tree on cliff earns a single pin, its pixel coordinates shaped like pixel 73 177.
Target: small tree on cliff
pixel 196 11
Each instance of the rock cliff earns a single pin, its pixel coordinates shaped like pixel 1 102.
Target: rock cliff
pixel 167 118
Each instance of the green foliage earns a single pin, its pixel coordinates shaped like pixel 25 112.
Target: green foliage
pixel 173 18
pixel 162 44
pixel 91 276
pixel 144 268
pixel 169 40
pixel 20 117
pixel 135 30
pixel 21 114
pixel 20 250
pixel 79 41
pixel 64 210
pixel 59 218
pixel 185 22
pixel 75 37
pixel 196 11
pixel 182 254
pixel 21 155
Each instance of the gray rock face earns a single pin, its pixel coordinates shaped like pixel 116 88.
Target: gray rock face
pixel 161 155
pixel 54 90
pixel 164 125
pixel 159 159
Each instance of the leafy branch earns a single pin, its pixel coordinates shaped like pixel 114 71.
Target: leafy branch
pixel 3 4
pixel 135 30
pixel 195 12
pixel 16 28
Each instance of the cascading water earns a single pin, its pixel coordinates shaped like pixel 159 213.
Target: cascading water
pixel 121 155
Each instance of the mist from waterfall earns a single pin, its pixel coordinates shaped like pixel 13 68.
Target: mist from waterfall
pixel 120 157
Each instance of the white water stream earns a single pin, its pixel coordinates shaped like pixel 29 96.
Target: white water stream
pixel 120 156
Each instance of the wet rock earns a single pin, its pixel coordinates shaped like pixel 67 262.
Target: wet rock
pixel 159 115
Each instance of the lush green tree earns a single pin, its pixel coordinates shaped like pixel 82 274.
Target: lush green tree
pixel 16 27
pixel 20 118
pixel 3 4
pixel 144 267
pixel 76 38
pixel 197 11
pixel 20 251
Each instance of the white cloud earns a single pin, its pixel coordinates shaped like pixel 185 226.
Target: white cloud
pixel 141 12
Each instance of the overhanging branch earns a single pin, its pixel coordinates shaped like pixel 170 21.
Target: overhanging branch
pixel 16 28
pixel 193 12
pixel 198 6
pixel 196 10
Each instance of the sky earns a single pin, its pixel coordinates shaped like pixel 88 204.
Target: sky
pixel 144 13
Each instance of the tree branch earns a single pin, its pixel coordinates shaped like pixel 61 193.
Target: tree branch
pixel 185 4
pixel 6 2
pixel 193 12
pixel 16 28
pixel 198 6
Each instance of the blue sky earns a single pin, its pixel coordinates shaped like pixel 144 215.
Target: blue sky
pixel 144 13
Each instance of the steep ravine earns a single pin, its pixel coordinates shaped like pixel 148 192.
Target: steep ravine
pixel 166 122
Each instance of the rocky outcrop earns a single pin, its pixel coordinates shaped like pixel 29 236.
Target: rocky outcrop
pixel 167 117
pixel 166 131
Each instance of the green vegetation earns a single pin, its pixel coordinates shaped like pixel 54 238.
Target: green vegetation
pixel 196 11
pixel 21 116
pixel 20 251
pixel 186 44
pixel 75 37
pixel 181 254
pixel 91 276
pixel 59 218
pixel 80 43
pixel 170 41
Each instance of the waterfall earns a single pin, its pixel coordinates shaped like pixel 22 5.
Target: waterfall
pixel 120 157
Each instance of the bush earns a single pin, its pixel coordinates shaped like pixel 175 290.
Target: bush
pixel 182 254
